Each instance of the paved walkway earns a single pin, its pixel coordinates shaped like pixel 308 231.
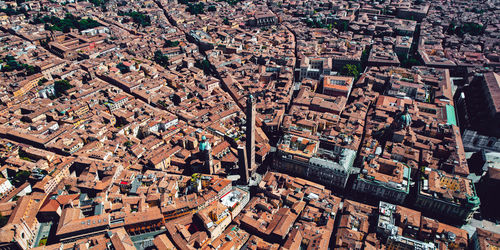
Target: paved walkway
pixel 484 224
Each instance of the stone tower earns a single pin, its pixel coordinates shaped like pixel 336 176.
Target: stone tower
pixel 206 153
pixel 250 132
pixel 243 164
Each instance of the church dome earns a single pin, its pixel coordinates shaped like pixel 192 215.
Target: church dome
pixel 204 144
pixel 404 119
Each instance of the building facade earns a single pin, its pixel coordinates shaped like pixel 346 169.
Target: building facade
pixel 447 195
pixel 305 158
pixel 386 179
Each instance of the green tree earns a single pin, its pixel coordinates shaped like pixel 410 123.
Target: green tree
pixel 232 2
pixel 410 62
pixel 9 11
pixel 314 23
pixel 65 25
pixel 128 144
pixel 364 57
pixel 212 8
pixel 474 29
pixel 3 220
pixel 204 65
pixel 31 70
pixel 161 59
pixel 61 87
pixel 42 81
pixel 21 177
pixel 99 2
pixel 342 26
pixel 169 43
pixel 43 242
pixel 137 17
pixel 351 70
pixel 195 9
pixel 11 65
pixel 123 69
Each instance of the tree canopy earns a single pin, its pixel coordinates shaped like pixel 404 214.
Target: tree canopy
pixel 11 65
pixel 12 12
pixel 21 177
pixel 211 8
pixel 61 87
pixel 314 23
pixel 139 18
pixel 466 28
pixel 204 65
pixel 65 25
pixel 410 62
pixel 161 59
pixel 195 9
pixel 123 69
pixel 169 43
pixel 351 70
pixel 99 2
pixel 231 2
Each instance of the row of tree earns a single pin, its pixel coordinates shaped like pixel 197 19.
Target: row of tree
pixel 9 64
pixel 170 44
pixel 9 11
pixel 465 28
pixel 139 18
pixel 196 8
pixel 67 23
pixel 101 3
pixel 316 23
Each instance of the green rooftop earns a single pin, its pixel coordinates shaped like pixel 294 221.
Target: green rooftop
pixel 450 115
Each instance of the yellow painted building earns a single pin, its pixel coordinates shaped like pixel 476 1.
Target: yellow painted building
pixel 26 85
